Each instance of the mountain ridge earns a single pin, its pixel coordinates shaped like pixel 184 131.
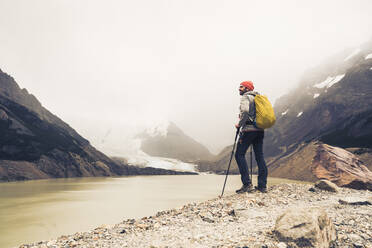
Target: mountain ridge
pixel 36 144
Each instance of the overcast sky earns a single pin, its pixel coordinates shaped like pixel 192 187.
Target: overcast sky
pixel 123 65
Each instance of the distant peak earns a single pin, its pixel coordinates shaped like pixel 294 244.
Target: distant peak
pixel 158 129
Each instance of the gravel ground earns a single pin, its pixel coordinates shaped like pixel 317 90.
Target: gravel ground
pixel 239 220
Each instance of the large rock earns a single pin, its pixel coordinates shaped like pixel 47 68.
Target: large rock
pixel 307 227
pixel 326 185
pixel 341 167
pixel 315 160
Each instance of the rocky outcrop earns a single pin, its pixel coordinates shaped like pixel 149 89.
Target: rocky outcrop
pixel 305 227
pixel 314 161
pixel 341 167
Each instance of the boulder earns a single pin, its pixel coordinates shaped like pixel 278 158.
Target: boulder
pixel 315 161
pixel 326 185
pixel 341 167
pixel 306 227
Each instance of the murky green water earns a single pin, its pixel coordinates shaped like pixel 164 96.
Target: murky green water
pixel 46 209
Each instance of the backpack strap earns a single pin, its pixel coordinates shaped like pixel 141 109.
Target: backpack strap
pixel 252 108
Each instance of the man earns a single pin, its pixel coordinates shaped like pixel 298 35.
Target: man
pixel 249 135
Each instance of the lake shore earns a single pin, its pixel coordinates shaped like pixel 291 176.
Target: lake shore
pixel 237 220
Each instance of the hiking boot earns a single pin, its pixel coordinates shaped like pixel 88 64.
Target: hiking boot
pixel 245 188
pixel 261 189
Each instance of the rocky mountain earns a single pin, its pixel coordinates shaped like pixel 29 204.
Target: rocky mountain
pixel 331 104
pixel 35 144
pixel 171 142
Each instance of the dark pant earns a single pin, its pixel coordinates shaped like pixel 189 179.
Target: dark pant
pixel 245 140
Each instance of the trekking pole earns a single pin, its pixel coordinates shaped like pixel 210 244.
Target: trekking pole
pixel 228 168
pixel 251 164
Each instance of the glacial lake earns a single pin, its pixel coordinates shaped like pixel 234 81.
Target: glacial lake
pixel 46 209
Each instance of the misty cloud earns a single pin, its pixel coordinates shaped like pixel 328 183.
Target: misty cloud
pixel 128 65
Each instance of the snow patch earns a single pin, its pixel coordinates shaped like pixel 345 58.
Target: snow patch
pixel 324 83
pixel 352 54
pixel 336 80
pixel 316 95
pixel 330 81
pixel 369 56
pixel 299 114
pixel 285 112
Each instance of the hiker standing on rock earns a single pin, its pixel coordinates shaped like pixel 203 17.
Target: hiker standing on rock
pixel 250 134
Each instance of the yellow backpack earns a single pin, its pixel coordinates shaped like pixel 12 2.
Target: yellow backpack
pixel 265 116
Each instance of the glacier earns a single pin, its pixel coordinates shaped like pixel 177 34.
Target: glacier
pixel 145 160
pixel 116 143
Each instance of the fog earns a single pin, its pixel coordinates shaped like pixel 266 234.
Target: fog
pixel 111 68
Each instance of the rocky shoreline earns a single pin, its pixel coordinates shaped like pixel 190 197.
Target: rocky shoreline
pixel 238 220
